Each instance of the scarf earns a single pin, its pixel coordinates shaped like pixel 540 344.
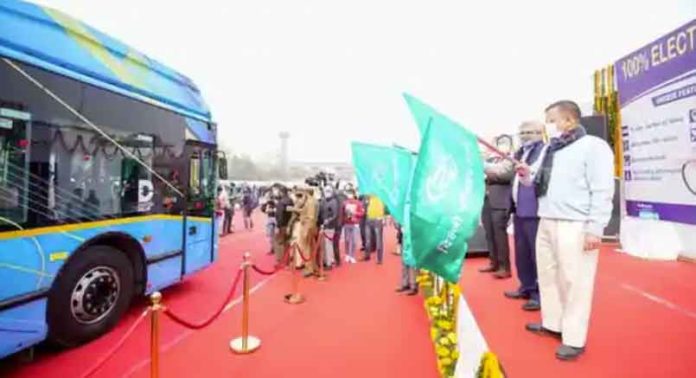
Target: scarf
pixel 543 177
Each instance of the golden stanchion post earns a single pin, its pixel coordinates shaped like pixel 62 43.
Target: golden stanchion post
pixel 155 308
pixel 245 344
pixel 295 297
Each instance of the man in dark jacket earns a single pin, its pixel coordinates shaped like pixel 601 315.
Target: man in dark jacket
pixel 496 209
pixel 363 226
pixel 248 206
pixel 526 221
pixel 283 215
pixel 328 213
pixel 338 230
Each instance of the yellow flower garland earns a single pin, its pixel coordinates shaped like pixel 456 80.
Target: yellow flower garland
pixel 441 308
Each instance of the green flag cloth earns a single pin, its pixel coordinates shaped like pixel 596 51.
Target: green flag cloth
pixel 446 193
pixel 420 111
pixel 384 172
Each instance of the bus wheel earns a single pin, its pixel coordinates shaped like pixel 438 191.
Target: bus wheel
pixel 89 296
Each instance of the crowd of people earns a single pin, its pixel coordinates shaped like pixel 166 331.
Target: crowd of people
pixel 231 198
pixel 314 218
pixel 559 195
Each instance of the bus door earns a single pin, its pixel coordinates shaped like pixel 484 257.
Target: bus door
pixel 137 190
pixel 200 207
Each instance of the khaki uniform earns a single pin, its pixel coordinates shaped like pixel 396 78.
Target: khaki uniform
pixel 308 231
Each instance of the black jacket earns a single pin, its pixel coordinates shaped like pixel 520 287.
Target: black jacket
pixel 282 214
pixel 328 212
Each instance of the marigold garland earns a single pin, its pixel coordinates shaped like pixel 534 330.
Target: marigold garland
pixel 441 311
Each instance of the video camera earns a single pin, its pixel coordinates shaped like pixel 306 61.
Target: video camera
pixel 320 180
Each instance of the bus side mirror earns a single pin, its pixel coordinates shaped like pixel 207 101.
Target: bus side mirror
pixel 222 168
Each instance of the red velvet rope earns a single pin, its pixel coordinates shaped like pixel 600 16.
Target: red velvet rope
pixel 265 272
pixel 329 237
pixel 117 346
pixel 312 254
pixel 217 313
pixel 283 261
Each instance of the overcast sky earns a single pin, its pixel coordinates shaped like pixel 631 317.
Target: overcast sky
pixel 329 72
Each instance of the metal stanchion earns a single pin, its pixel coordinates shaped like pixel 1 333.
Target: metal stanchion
pixel 245 344
pixel 155 308
pixel 295 297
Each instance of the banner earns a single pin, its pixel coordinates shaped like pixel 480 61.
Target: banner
pixel 657 93
pixel 446 193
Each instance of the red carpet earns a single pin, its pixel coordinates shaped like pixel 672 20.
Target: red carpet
pixel 351 325
pixel 643 322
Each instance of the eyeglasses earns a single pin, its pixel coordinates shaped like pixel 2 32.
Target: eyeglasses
pixel 529 132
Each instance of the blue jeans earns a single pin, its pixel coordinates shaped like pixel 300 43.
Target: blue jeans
pixel 373 235
pixel 350 235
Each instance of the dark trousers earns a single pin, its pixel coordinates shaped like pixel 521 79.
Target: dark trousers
pixel 525 255
pixel 495 223
pixel 281 241
pixel 227 222
pixel 336 243
pixel 363 229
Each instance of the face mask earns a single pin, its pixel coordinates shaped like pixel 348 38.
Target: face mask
pixel 553 130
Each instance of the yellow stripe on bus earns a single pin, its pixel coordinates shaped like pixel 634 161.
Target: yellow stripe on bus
pixel 87 225
pixel 25 270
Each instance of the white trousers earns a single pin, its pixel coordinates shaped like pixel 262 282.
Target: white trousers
pixel 566 279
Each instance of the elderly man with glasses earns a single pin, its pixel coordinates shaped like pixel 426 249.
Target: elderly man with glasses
pixel 526 220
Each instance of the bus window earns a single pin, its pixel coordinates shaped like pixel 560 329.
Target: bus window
pixel 208 175
pixel 13 172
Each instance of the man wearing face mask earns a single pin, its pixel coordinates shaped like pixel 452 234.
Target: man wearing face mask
pixel 575 186
pixel 353 212
pixel 496 209
pixel 328 219
pixel 526 220
pixel 283 216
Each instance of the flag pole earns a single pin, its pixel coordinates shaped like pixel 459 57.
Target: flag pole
pixel 497 151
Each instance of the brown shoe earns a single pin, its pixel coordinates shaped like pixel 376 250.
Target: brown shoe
pixel 502 274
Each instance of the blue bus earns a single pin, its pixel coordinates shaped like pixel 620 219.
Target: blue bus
pixel 108 169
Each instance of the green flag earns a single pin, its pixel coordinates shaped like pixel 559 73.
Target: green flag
pixel 446 193
pixel 384 172
pixel 420 111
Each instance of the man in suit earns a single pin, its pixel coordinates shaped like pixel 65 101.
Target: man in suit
pixel 496 209
pixel 526 220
